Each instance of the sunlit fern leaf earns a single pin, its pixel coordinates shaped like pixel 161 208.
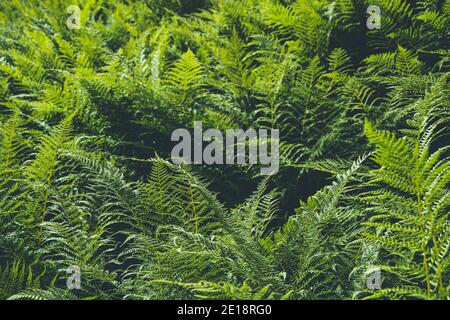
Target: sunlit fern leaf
pixel 16 276
pixel 48 294
pixel 224 290
pixel 10 142
pixel 40 171
pixel 186 74
pixel 413 217
pixel 407 63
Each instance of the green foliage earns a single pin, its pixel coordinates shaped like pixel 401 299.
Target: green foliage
pixel 16 277
pixel 85 122
pixel 410 212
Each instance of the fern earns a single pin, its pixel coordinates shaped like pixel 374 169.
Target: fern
pixel 86 116
pixel 412 218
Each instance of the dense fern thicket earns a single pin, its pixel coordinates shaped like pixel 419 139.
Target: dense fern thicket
pixel 86 180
